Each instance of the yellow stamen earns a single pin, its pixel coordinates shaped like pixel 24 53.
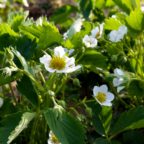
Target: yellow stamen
pixel 57 63
pixel 101 97
pixel 98 34
pixel 54 138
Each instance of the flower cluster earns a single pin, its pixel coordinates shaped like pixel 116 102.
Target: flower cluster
pixel 91 41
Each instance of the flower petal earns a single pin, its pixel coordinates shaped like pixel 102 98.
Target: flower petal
pixel 95 91
pixel 45 59
pixel 110 96
pixel 118 72
pixel 70 61
pixel 59 51
pixel 95 31
pixel 107 103
pixel 103 88
pixel 117 81
pixel 72 69
pixel 89 41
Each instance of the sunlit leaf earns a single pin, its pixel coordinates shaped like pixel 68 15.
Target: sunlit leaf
pixel 25 120
pixel 135 20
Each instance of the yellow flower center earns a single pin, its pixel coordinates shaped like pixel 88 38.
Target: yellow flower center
pixel 54 139
pixel 57 63
pixel 98 34
pixel 101 97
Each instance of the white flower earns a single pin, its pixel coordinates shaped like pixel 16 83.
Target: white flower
pixel 59 62
pixel 142 8
pixel 52 139
pixel 3 3
pixel 119 79
pixel 25 3
pixel 114 16
pixel 76 27
pixel 117 35
pixel 89 41
pixel 97 32
pixel 1 102
pixel 102 96
pixel 118 72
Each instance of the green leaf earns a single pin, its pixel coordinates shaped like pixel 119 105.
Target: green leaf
pixel 25 120
pixel 136 88
pixel 6 29
pixel 62 13
pixel 7 125
pixel 96 109
pixel 25 86
pixel 135 20
pixel 15 19
pixel 93 58
pixel 21 59
pixel 6 41
pixel 66 128
pixel 86 7
pixel 132 119
pixel 128 5
pixel 49 35
pixel 99 3
pixel 112 24
pixel 26 47
pixel 32 32
pixel 101 141
pixel 133 137
pixel 101 118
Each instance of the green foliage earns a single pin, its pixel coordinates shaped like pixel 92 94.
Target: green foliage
pixel 112 24
pixel 136 88
pixel 45 35
pixel 16 19
pixel 63 13
pixel 66 128
pixel 38 90
pixel 99 3
pixel 101 141
pixel 133 137
pixel 25 86
pixel 129 120
pixel 7 79
pixel 7 125
pixel 86 7
pixel 25 120
pixel 49 35
pixel 6 29
pixel 101 118
pixel 128 5
pixel 93 58
pixel 135 20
